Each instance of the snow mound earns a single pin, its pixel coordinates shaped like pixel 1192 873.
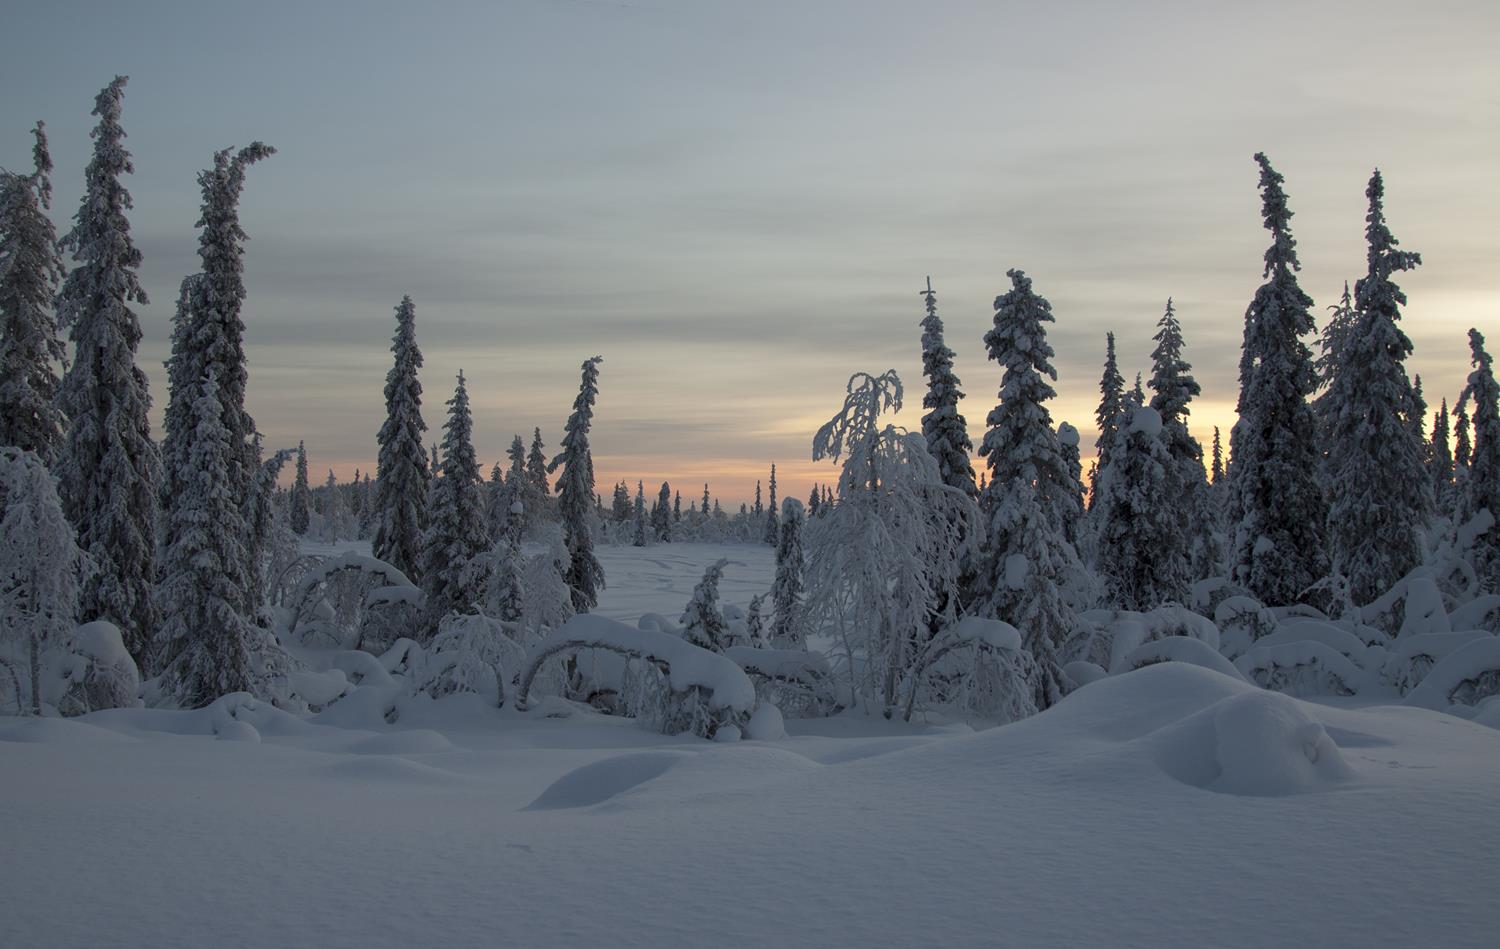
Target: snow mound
pixel 1180 649
pixel 386 769
pixel 416 741
pixel 598 782
pixel 1259 744
pixel 1134 704
pixel 766 724
pixel 58 730
pixel 235 730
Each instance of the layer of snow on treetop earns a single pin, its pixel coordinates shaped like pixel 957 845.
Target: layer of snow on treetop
pixel 463 823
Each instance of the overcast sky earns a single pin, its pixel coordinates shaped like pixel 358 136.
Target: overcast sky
pixel 736 203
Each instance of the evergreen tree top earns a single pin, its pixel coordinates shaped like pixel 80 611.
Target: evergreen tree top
pixel 1282 254
pixel 1171 380
pixel 575 438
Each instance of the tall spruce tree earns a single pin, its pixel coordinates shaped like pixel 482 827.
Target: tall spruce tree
pixel 661 515
pixel 1482 488
pixel 1026 552
pixel 536 466
pixel 787 588
pixel 1173 388
pixel 301 494
pixel 1111 403
pixel 943 426
pixel 209 338
pixel 771 534
pixel 1381 495
pixel 212 472
pixel 1142 544
pixel 109 469
pixel 1278 548
pixel 639 540
pixel 455 561
pixel 401 475
pixel 1440 462
pixel 575 493
pixel 30 347
pixel 1463 453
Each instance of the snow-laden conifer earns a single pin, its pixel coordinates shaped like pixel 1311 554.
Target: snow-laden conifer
pixel 639 539
pixel 787 588
pixel 661 515
pixel 401 475
pixel 30 348
pixel 1173 389
pixel 209 341
pixel 1278 510
pixel 207 639
pixel 536 466
pixel 1440 462
pixel 1482 488
pixel 1380 493
pixel 1111 404
pixel 703 623
pixel 943 426
pixel 773 527
pixel 1031 486
pixel 575 493
pixel 109 469
pixel 455 568
pixel 301 494
pixel 1142 547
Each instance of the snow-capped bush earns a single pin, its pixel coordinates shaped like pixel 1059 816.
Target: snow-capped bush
pixel 676 687
pixel 1241 621
pixel 100 674
pixel 470 653
pixel 1413 657
pixel 1465 677
pixel 1107 637
pixel 1300 668
pixel 1180 649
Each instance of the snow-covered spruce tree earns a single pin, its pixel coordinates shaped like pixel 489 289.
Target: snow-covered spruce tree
pixel 620 507
pixel 1216 471
pixel 661 515
pixel 301 494
pixel 1380 493
pixel 267 525
pixel 30 348
pixel 496 504
pixel 943 426
pixel 1463 451
pixel 109 470
pixel 536 466
pixel 773 528
pixel 1111 404
pixel 787 588
pixel 1072 511
pixel 507 599
pixel 40 568
pixel 1278 509
pixel 1440 462
pixel 1173 388
pixel 207 638
pixel 1418 418
pixel 755 621
pixel 208 339
pixel 1482 488
pixel 639 540
pixel 455 567
pixel 1142 549
pixel 575 493
pixel 703 624
pixel 879 558
pixel 814 501
pixel 401 475
pixel 759 510
pixel 1025 551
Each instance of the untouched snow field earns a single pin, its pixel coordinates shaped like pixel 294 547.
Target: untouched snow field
pixel 1171 806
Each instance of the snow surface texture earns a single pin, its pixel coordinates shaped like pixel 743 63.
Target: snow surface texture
pixel 466 824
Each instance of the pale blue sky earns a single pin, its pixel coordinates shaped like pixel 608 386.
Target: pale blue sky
pixel 736 202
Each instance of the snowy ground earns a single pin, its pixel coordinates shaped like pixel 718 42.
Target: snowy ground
pixel 1168 807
